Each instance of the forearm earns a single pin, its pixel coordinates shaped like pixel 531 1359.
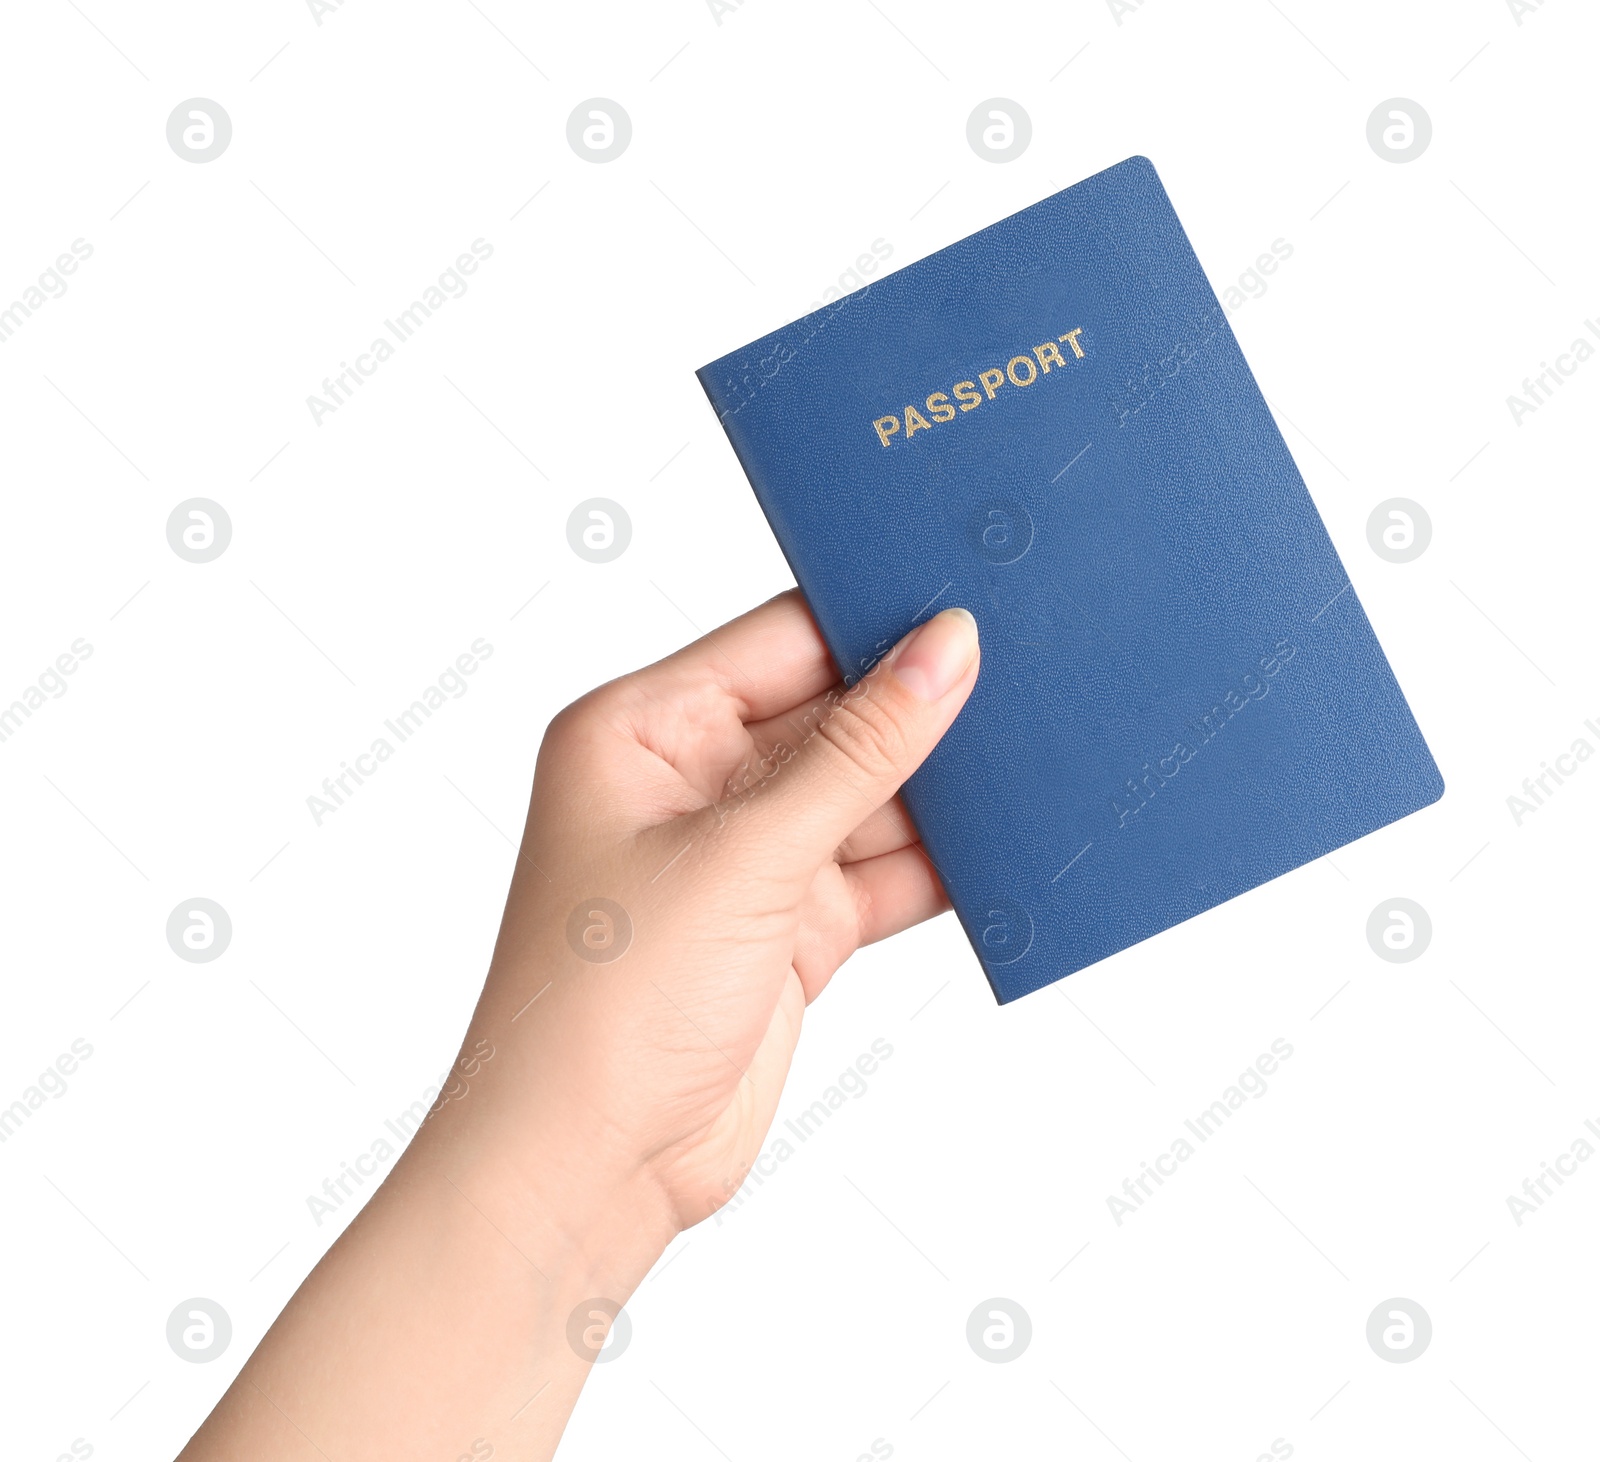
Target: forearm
pixel 438 1322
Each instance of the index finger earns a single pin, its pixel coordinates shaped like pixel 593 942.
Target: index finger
pixel 767 661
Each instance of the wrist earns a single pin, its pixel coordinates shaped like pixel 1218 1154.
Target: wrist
pixel 540 1255
pixel 585 1220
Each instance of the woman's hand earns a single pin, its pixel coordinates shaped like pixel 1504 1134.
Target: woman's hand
pixel 708 840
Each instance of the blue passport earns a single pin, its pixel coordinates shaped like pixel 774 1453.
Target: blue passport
pixel 1051 423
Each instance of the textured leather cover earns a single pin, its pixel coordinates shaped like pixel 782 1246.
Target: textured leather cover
pixel 1181 696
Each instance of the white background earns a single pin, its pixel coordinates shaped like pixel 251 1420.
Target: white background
pixel 768 152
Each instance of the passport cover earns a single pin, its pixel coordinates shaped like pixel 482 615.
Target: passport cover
pixel 1051 423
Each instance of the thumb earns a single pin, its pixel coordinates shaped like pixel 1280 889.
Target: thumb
pixel 850 752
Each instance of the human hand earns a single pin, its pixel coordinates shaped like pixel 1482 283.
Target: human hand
pixel 708 840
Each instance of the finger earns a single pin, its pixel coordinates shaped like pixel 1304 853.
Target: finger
pixel 894 891
pixel 881 831
pixel 860 903
pixel 861 744
pixel 689 710
pixel 766 660
pixel 885 830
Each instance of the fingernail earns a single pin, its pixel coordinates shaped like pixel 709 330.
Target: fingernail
pixel 934 656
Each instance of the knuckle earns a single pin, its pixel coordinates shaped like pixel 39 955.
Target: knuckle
pixel 574 728
pixel 566 727
pixel 866 731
